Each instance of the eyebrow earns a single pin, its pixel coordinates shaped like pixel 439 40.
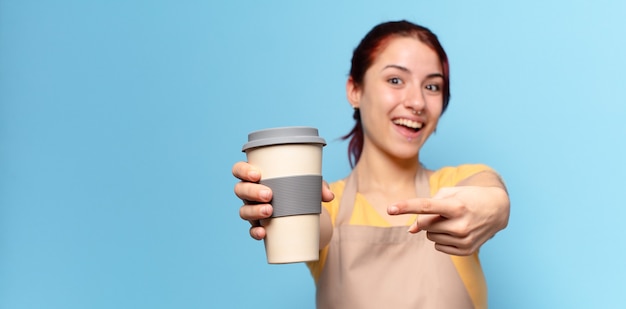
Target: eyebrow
pixel 404 69
pixel 395 66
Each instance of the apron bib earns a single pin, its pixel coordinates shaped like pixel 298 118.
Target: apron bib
pixel 385 267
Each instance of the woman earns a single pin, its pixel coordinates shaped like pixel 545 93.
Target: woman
pixel 398 87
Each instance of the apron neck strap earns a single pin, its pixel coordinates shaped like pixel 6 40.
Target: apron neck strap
pixel 346 204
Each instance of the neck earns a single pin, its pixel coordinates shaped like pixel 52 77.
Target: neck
pixel 383 173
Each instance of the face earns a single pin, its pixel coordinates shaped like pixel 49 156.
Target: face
pixel 405 77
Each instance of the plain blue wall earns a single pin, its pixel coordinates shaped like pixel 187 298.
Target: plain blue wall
pixel 120 121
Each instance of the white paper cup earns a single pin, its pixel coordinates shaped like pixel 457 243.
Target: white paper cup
pixel 290 161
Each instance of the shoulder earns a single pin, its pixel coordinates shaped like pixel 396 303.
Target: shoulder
pixel 451 175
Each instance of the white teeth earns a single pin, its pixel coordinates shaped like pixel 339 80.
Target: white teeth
pixel 408 123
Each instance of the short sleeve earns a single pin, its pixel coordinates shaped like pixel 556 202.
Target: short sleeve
pixel 450 176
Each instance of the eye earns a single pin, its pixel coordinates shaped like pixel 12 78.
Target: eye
pixel 433 87
pixel 395 81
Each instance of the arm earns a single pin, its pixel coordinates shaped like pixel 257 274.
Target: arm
pixel 326 228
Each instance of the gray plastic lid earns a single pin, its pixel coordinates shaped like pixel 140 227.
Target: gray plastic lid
pixel 284 135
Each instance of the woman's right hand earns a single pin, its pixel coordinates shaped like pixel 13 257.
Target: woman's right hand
pixel 256 198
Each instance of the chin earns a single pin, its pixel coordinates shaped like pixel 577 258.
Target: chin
pixel 406 155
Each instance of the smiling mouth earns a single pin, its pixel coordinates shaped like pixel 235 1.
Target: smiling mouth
pixel 409 124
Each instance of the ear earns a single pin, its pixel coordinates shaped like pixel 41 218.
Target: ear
pixel 353 93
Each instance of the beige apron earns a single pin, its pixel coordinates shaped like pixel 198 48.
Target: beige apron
pixel 385 267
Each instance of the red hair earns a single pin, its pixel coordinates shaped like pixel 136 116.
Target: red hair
pixel 366 52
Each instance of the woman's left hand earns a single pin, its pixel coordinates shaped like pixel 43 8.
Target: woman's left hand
pixel 458 219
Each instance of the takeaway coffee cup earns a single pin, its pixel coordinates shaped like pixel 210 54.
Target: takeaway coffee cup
pixel 290 161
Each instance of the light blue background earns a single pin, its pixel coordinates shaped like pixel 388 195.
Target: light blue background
pixel 120 121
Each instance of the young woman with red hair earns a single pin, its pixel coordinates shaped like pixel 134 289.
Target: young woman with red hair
pixel 394 233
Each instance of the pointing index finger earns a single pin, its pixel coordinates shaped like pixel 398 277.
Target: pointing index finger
pixel 421 206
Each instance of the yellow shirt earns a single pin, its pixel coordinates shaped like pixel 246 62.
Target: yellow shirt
pixel 468 267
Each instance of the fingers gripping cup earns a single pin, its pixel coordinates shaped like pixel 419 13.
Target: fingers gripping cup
pixel 290 161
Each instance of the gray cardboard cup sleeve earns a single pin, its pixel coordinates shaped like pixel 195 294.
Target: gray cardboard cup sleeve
pixel 295 195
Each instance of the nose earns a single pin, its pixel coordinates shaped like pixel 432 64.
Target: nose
pixel 414 99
